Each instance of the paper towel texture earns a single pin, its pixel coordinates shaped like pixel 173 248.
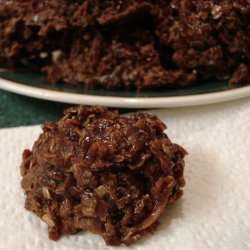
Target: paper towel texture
pixel 214 212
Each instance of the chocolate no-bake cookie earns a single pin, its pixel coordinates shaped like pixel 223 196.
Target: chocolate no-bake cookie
pixel 128 44
pixel 97 171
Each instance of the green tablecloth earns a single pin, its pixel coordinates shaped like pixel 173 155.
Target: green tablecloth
pixel 17 110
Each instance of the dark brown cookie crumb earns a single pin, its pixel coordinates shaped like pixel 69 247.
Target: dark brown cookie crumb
pixel 98 171
pixel 128 44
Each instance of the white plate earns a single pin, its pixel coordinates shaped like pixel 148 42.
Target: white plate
pixel 121 101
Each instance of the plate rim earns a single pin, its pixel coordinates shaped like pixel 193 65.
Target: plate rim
pixel 125 102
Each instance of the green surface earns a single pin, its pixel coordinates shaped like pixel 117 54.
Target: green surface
pixel 17 110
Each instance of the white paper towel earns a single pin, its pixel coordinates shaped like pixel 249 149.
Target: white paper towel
pixel 214 212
